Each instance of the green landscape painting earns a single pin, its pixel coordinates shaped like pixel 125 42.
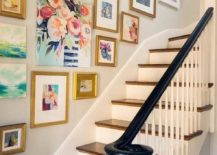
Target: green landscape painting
pixel 12 41
pixel 12 80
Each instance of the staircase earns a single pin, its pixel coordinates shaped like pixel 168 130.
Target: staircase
pixel 175 126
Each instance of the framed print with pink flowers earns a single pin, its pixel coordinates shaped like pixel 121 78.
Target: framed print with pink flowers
pixel 106 15
pixel 129 28
pixel 64 31
pixel 106 51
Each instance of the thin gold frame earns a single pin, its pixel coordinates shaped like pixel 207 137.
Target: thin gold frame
pixel 98 38
pixel 76 85
pixel 32 113
pixel 22 140
pixel 21 15
pixel 102 28
pixel 143 12
pixel 122 22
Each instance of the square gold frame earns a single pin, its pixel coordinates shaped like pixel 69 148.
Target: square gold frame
pixel 32 113
pixel 122 21
pixel 102 28
pixel 21 15
pixel 77 95
pixel 98 38
pixel 22 140
pixel 143 12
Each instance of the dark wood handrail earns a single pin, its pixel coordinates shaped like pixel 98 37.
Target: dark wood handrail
pixel 124 146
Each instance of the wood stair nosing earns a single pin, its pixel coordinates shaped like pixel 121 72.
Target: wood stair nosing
pixel 122 125
pixel 164 50
pixel 161 65
pixel 179 37
pixel 148 83
pixel 139 103
pixel 95 148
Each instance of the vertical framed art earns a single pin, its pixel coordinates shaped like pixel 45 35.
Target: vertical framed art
pixel 84 85
pixel 106 49
pixel 49 98
pixel 106 15
pixel 129 28
pixel 64 32
pixel 12 139
pixel 173 3
pixel 13 8
pixel 145 7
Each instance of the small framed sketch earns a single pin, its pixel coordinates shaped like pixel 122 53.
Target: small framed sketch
pixel 129 28
pixel 84 85
pixel 13 8
pixel 49 104
pixel 173 3
pixel 106 51
pixel 106 15
pixel 145 7
pixel 13 139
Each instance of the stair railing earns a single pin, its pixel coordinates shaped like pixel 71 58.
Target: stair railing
pixel 180 74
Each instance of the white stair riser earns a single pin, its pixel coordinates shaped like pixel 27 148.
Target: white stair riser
pixel 162 57
pixel 141 92
pixel 157 73
pixel 80 153
pixel 107 135
pixel 127 113
pixel 176 43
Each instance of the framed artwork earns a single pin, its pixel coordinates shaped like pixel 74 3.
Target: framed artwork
pixel 49 98
pixel 13 8
pixel 12 80
pixel 84 85
pixel 64 32
pixel 13 139
pixel 12 41
pixel 173 3
pixel 129 28
pixel 106 15
pixel 106 51
pixel 145 7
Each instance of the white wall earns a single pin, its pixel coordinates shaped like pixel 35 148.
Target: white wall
pixel 44 141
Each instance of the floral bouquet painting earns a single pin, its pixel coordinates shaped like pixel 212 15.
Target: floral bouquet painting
pixel 64 30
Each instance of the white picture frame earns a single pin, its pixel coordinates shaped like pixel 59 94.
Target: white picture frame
pixel 173 3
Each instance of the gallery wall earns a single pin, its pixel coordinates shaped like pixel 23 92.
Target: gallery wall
pixel 46 140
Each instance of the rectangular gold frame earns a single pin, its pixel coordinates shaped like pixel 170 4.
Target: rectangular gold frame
pixel 141 11
pixel 98 38
pixel 23 138
pixel 122 20
pixel 22 15
pixel 102 28
pixel 32 113
pixel 77 78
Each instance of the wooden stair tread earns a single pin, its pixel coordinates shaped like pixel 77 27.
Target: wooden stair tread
pixel 95 148
pixel 164 50
pixel 179 37
pixel 122 125
pixel 139 103
pixel 148 83
pixel 160 65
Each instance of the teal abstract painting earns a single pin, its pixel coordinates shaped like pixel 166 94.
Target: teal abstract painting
pixel 12 41
pixel 12 80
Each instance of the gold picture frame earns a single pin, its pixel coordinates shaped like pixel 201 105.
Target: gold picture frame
pixel 49 98
pixel 13 139
pixel 13 8
pixel 129 34
pixel 106 51
pixel 103 25
pixel 142 8
pixel 84 85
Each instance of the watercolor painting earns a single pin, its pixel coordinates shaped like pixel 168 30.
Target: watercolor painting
pixel 11 139
pixel 50 97
pixel 86 86
pixel 144 2
pixel 12 41
pixel 106 10
pixel 64 31
pixel 130 28
pixel 12 80
pixel 13 6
